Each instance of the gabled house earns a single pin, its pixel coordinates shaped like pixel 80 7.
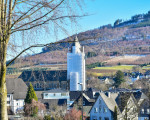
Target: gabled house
pixel 16 93
pixel 107 80
pixel 128 106
pixel 147 74
pixel 87 104
pixel 143 105
pixel 55 97
pixel 103 108
pixel 144 110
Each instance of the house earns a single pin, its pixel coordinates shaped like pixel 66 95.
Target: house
pixel 107 80
pixel 54 97
pixel 87 104
pixel 136 76
pixel 147 74
pixel 45 80
pixel 127 105
pixel 143 105
pixel 144 110
pixel 103 108
pixel 16 93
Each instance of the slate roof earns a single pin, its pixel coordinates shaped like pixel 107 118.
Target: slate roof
pixel 31 76
pixel 122 100
pixel 16 87
pixel 139 95
pixel 119 90
pixel 75 94
pixel 109 101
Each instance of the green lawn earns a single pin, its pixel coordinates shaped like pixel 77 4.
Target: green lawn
pixel 119 67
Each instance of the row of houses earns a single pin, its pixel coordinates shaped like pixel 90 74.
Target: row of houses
pixel 97 105
pixel 131 77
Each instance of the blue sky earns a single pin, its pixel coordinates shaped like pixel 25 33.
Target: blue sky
pixel 107 11
pixel 102 12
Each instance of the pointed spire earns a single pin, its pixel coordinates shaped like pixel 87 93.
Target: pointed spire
pixel 76 39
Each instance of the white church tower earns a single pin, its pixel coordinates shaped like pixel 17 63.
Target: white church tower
pixel 76 67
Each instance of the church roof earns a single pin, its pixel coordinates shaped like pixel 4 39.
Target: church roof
pixel 55 75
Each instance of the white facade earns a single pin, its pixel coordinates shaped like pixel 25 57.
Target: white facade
pixel 76 67
pixel 18 105
pixel 100 110
pixel 15 105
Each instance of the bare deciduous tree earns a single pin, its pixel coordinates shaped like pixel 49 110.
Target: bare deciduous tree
pixel 28 15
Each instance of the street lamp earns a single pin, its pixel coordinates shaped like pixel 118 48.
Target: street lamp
pixel 81 97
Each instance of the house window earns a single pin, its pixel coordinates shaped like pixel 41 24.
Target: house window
pixel 148 111
pixel 106 118
pixel 105 110
pixel 95 110
pixel 8 102
pixel 99 101
pixel 142 111
pixel 17 104
pixel 8 96
pixel 100 109
pixel 134 109
pixel 128 118
pixel 63 94
pixel 83 102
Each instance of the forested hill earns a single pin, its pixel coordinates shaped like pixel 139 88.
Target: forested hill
pixel 120 30
pixel 124 37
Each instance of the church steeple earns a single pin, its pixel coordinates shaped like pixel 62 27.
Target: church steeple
pixel 76 46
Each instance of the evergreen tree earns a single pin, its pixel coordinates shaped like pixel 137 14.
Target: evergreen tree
pixel 115 113
pixel 30 95
pixel 119 78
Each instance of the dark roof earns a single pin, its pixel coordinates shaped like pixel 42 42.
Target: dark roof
pixel 139 95
pixel 122 100
pixel 119 90
pixel 16 87
pixel 54 102
pixel 75 94
pixel 147 72
pixel 57 75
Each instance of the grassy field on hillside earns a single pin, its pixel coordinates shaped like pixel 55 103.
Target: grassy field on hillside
pixel 119 67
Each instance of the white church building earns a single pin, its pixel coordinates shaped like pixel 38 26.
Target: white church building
pixel 76 67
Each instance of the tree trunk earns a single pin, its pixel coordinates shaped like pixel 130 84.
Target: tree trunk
pixel 3 89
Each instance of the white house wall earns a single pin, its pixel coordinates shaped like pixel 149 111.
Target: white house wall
pixel 96 115
pixel 18 105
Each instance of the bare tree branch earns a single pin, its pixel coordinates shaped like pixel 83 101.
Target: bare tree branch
pixel 44 22
pixel 41 16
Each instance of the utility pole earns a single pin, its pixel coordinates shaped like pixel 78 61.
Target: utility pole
pixel 81 97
